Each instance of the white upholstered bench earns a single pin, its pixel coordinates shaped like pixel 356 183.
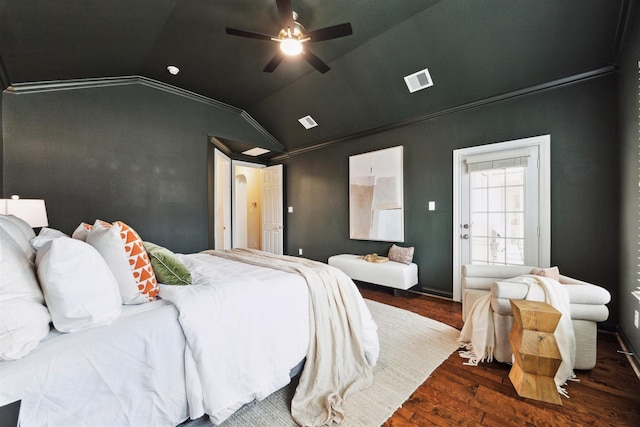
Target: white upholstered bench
pixel 392 274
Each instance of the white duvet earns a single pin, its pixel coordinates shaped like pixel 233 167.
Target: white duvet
pixel 236 334
pixel 245 327
pixel 130 373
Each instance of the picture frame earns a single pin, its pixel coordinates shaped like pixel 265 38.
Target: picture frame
pixel 376 195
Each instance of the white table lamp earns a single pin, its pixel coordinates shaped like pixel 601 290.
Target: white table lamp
pixel 32 211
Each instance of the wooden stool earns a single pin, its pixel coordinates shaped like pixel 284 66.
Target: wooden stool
pixel 536 354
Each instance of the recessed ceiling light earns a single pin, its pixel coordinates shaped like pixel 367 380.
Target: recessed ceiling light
pixel 255 151
pixel 418 81
pixel 173 69
pixel 308 122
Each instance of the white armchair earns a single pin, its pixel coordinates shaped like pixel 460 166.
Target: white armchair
pixel 587 301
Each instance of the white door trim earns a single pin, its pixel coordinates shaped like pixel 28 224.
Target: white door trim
pixel 222 199
pixel 543 142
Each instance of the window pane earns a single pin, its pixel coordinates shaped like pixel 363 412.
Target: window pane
pixel 497 250
pixel 515 225
pixel 496 200
pixel 497 225
pixel 479 200
pixel 514 198
pixel 478 179
pixel 515 176
pixel 496 177
pixel 479 250
pixel 479 224
pixel 515 251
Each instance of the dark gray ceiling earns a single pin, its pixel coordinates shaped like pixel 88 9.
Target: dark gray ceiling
pixel 474 50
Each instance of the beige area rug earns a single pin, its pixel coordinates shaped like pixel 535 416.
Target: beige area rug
pixel 411 347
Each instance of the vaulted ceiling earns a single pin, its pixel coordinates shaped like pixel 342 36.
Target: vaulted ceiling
pixel 474 50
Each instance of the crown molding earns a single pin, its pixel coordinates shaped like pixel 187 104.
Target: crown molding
pixel 59 85
pixel 562 82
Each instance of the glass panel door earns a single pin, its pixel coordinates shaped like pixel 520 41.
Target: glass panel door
pixel 497 216
pixel 499 209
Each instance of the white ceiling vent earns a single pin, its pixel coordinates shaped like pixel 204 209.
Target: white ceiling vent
pixel 308 122
pixel 418 81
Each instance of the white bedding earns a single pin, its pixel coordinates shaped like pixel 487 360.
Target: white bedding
pixel 250 322
pixel 103 376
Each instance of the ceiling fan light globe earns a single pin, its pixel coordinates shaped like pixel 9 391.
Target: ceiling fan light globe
pixel 291 47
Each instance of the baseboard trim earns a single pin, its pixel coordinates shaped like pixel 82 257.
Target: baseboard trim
pixel 627 350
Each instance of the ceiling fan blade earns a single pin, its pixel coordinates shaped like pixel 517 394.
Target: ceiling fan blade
pixel 316 62
pixel 328 33
pixel 285 10
pixel 248 34
pixel 275 61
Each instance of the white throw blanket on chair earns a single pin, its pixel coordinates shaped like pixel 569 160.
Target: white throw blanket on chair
pixel 478 333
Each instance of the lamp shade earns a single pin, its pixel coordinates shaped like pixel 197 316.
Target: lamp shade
pixel 32 211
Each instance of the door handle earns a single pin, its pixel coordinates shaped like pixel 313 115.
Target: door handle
pixel 464 236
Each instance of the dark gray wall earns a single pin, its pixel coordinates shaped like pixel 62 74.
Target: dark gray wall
pixel 630 161
pixel 582 121
pixel 132 153
pixel 139 154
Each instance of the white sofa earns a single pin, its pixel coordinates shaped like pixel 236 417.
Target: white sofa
pixel 587 301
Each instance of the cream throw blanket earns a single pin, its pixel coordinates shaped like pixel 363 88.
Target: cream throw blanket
pixel 335 365
pixel 478 333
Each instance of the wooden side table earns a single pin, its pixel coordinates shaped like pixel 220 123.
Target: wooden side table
pixel 536 354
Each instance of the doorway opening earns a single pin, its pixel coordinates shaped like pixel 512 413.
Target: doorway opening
pixel 247 205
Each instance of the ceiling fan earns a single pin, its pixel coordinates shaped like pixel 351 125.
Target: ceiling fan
pixel 292 36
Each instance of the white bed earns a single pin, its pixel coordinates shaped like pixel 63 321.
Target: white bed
pixel 102 376
pixel 252 326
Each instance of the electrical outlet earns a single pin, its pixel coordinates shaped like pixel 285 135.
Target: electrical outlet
pixel 300 251
pixel 636 318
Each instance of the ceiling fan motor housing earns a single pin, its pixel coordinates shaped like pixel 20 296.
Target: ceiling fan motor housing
pixel 297 32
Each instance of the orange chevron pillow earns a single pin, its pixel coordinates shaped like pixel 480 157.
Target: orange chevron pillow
pixel 139 261
pixel 124 252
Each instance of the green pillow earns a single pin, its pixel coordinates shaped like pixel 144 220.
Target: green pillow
pixel 167 268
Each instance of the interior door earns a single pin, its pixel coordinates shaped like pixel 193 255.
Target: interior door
pixel 272 215
pixel 222 201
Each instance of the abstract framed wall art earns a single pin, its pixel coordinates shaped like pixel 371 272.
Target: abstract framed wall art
pixel 376 205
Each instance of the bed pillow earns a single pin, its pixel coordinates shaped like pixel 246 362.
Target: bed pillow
pixel 82 231
pixel 78 286
pixel 20 232
pixel 399 254
pixel 124 252
pixel 45 235
pixel 24 319
pixel 167 268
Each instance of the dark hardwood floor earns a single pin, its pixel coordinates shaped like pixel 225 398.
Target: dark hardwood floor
pixel 455 394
